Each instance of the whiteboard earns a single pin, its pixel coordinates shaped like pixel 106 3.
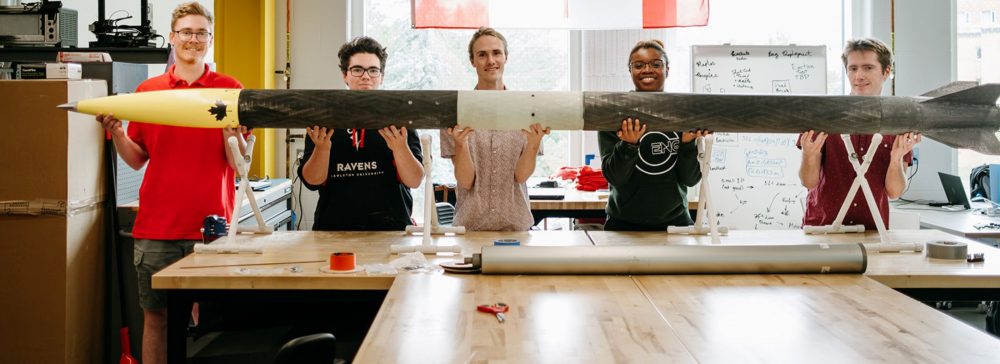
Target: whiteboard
pixel 755 177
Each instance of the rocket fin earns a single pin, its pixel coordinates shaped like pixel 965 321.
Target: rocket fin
pixel 984 140
pixel 950 88
pixel 983 95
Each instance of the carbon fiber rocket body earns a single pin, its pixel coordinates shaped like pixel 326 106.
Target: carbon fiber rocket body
pixel 961 115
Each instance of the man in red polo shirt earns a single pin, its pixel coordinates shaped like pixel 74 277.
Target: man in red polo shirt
pixel 189 175
pixel 826 168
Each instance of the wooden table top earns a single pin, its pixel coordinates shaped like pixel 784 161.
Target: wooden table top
pixel 574 200
pixel 552 319
pixel 665 319
pixel 962 222
pixel 311 250
pixel 896 270
pixel 662 318
pixel 582 200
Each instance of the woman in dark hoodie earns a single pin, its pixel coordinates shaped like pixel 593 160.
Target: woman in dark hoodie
pixel 649 172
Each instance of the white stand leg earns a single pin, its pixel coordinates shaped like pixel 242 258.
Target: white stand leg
pixel 706 209
pixel 430 225
pixel 229 244
pixel 860 183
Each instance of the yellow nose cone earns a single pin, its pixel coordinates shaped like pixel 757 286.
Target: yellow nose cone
pixel 195 108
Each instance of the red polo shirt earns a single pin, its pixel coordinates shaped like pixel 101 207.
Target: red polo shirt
pixel 836 175
pixel 187 175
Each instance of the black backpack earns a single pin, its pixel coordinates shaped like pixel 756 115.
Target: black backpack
pixel 979 182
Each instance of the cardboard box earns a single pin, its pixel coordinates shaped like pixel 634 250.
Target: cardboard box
pixel 63 71
pixel 83 57
pixel 30 71
pixel 54 267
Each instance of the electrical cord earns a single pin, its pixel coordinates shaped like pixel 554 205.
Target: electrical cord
pixel 916 168
pixel 298 197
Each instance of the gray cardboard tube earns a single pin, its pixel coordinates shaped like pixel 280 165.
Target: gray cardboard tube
pixel 675 259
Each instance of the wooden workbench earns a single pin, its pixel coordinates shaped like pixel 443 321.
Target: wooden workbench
pixel 896 270
pixel 680 318
pixel 665 319
pixel 578 204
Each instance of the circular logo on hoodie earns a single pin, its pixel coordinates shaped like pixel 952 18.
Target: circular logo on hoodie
pixel 658 152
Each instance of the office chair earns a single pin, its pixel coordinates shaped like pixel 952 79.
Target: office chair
pixel 445 212
pixel 315 348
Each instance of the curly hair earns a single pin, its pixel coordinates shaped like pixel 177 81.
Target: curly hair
pixel 361 45
pixel 654 44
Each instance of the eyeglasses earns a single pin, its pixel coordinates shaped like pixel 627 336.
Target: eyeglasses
pixel 358 71
pixel 186 35
pixel 638 66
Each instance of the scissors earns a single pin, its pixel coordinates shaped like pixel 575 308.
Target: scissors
pixel 497 309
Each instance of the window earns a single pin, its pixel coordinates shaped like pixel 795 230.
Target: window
pixel 982 68
pixel 431 59
pixel 540 59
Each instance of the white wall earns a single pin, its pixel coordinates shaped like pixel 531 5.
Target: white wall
pixel 318 30
pixel 925 48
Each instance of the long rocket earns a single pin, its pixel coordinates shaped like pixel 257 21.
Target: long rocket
pixel 960 115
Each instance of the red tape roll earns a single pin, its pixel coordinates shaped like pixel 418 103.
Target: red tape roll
pixel 342 261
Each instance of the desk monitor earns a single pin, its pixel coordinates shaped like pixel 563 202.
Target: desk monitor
pixel 954 189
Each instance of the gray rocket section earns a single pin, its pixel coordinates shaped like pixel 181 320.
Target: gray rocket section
pixel 963 119
pixel 959 115
pixel 348 109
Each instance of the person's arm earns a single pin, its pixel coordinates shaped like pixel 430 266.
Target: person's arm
pixel 526 162
pixel 240 142
pixel 688 168
pixel 465 171
pixel 619 151
pixel 411 172
pixel 317 167
pixel 812 155
pixel 895 176
pixel 130 151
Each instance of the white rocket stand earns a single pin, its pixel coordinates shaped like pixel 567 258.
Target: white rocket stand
pixel 229 244
pixel 430 225
pixel 884 246
pixel 705 207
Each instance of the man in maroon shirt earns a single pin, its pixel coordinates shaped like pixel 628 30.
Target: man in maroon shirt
pixel 826 166
pixel 189 172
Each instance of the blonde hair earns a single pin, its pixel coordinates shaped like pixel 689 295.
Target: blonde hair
pixel 484 31
pixel 191 8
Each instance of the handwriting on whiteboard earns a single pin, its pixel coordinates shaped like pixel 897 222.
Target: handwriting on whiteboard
pixel 754 177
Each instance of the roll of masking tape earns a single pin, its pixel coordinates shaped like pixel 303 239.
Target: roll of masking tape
pixel 342 261
pixel 947 250
pixel 506 242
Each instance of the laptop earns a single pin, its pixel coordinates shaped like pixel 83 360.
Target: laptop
pixel 955 190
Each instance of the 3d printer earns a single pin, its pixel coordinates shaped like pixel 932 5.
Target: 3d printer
pixel 44 23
